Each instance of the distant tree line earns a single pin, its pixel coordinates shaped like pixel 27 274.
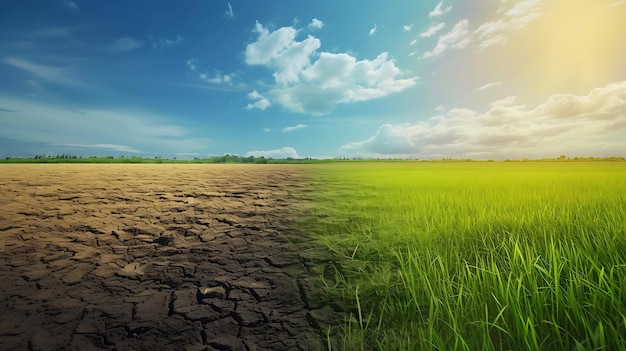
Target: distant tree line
pixel 64 156
pixel 233 159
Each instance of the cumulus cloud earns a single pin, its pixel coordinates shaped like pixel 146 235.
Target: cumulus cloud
pixel 373 30
pixel 316 24
pixel 487 86
pixel 262 103
pixel 432 30
pixel 279 50
pixel 281 153
pixel 585 125
pixel 292 128
pixel 407 27
pixel 439 10
pixel 316 88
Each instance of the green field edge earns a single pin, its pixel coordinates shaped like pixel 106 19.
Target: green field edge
pixel 467 256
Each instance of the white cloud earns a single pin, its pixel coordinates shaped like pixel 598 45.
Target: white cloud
pixel 487 86
pixel 292 128
pixel 316 88
pixel 491 33
pixel 373 30
pixel 316 24
pixel 124 44
pixel 589 125
pixel 165 42
pixel 457 38
pixel 58 75
pixel 281 153
pixel 229 12
pixel 407 27
pixel 111 147
pixel 438 11
pixel 279 50
pixel 36 122
pixel 262 102
pixel 507 101
pixel 216 78
pixel 518 16
pixel 432 30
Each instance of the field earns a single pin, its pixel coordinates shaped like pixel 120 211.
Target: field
pixel 475 256
pixel 153 257
pixel 343 256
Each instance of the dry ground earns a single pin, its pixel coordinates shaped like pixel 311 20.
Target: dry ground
pixel 151 257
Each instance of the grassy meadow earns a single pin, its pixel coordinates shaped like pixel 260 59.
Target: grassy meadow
pixel 475 255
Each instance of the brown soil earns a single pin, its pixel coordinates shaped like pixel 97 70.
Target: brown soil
pixel 153 257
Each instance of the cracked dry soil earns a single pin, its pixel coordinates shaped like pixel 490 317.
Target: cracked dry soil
pixel 154 257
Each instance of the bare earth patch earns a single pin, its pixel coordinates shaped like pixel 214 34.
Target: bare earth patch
pixel 150 257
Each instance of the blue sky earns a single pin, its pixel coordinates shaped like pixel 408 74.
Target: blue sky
pixel 493 79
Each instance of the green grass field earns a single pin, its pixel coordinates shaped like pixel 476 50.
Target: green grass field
pixel 475 256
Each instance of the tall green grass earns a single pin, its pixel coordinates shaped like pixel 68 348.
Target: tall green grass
pixel 475 256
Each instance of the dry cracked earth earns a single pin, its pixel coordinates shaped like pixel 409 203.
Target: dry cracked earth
pixel 155 257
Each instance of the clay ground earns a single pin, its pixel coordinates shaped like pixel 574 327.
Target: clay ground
pixel 153 257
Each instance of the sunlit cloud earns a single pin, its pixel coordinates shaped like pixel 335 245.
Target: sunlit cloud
pixel 407 27
pixel 281 153
pixel 616 3
pixel 457 38
pixel 292 128
pixel 564 123
pixel 432 30
pixel 262 103
pixel 494 32
pixel 439 10
pixel 487 86
pixel 488 34
pixel 316 24
pixel 316 88
pixel 373 30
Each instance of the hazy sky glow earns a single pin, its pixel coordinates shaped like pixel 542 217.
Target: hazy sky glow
pixel 493 79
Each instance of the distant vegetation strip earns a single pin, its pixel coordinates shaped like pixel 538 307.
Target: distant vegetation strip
pixel 226 159
pixel 234 159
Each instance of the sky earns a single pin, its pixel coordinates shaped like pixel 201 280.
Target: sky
pixel 427 79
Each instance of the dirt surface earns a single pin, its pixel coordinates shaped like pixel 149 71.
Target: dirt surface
pixel 153 257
